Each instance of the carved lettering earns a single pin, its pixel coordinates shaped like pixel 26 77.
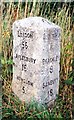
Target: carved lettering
pixel 50 93
pixel 55 34
pixel 24 67
pixel 51 46
pixel 25 33
pixel 51 82
pixel 23 89
pixel 20 79
pixel 24 81
pixel 51 69
pixel 24 45
pixel 30 83
pixel 25 58
pixel 49 60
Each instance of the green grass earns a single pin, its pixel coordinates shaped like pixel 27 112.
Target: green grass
pixel 13 109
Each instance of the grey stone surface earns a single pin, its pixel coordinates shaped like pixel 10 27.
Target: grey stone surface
pixel 36 56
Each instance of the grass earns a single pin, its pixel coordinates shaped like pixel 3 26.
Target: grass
pixel 14 109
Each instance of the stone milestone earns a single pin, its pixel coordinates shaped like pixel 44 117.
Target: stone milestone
pixel 36 56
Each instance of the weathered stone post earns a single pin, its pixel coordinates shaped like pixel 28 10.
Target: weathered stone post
pixel 36 56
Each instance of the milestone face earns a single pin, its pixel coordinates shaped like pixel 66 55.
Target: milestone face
pixel 36 55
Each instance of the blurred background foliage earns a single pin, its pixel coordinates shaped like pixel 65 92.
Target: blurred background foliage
pixel 60 13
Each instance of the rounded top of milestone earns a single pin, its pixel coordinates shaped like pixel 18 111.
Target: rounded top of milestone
pixel 39 22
